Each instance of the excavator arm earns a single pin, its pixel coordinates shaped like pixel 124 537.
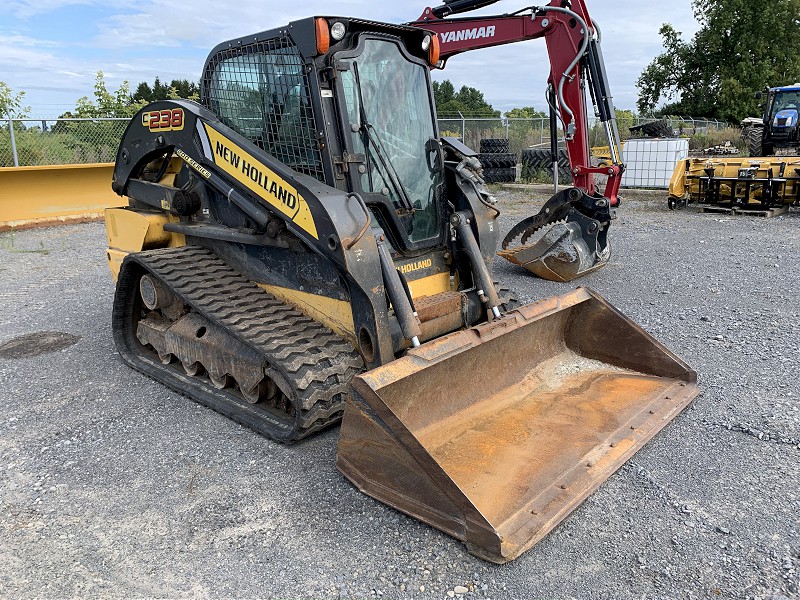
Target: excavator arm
pixel 580 244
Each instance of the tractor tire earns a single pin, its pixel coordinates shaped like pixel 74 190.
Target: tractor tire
pixel 500 175
pixel 494 146
pixel 498 161
pixel 755 140
pixel 538 160
pixel 654 129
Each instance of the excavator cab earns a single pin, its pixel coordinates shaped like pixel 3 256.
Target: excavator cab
pixel 303 246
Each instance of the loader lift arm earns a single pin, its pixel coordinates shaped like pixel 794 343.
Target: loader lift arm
pixel 576 62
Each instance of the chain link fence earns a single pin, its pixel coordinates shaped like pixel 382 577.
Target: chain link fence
pixel 29 142
pixel 32 142
pixel 528 133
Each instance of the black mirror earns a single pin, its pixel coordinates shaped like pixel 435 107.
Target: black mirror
pixel 435 155
pixel 758 96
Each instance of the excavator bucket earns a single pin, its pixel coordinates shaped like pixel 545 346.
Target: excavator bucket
pixel 495 434
pixel 561 254
pixel 575 244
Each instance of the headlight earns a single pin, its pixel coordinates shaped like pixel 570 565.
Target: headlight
pixel 426 43
pixel 338 30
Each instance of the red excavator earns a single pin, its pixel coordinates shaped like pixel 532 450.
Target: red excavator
pixel 578 242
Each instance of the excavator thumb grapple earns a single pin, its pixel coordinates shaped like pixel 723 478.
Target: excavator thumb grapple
pixel 304 247
pixel 563 393
pixel 575 245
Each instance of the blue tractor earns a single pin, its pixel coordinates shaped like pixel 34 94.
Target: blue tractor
pixel 777 132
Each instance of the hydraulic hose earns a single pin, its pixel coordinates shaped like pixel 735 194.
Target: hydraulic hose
pixel 566 75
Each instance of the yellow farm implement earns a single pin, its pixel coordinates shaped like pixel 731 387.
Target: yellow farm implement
pixel 755 183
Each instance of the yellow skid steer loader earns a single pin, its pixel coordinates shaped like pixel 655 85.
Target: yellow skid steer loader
pixel 303 246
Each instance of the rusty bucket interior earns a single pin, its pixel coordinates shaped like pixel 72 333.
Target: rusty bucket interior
pixel 496 433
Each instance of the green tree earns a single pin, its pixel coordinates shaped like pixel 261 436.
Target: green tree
pixel 177 88
pixel 526 112
pixel 96 141
pixel 526 126
pixel 741 48
pixel 106 104
pixel 143 93
pixel 11 103
pixel 159 90
pixel 468 101
pixel 443 92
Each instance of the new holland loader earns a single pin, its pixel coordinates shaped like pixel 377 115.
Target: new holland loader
pixel 302 247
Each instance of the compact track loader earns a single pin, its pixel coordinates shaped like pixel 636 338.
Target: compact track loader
pixel 302 246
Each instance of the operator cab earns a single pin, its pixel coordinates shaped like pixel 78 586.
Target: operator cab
pixel 349 103
pixel 785 104
pixel 781 126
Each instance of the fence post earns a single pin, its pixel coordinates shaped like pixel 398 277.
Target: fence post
pixel 463 128
pixel 13 142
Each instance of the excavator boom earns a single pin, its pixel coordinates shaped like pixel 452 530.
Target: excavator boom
pixel 573 43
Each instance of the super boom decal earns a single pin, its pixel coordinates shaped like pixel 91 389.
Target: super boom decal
pixel 261 180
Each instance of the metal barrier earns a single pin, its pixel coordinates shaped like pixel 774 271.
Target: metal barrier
pixel 50 195
pixel 527 133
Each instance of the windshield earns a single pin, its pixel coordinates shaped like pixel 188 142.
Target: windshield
pixel 786 100
pixel 391 122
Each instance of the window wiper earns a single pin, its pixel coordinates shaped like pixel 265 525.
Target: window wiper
pixel 374 141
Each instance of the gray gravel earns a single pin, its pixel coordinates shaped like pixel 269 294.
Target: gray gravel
pixel 112 485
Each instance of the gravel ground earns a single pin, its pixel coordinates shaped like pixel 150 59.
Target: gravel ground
pixel 112 485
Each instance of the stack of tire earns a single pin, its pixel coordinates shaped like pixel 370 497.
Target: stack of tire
pixel 499 165
pixel 654 129
pixel 539 161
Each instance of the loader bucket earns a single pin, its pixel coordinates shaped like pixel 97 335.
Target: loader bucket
pixel 496 433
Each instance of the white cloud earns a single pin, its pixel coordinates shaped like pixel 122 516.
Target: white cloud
pixel 206 25
pixel 24 40
pixel 25 9
pixel 512 75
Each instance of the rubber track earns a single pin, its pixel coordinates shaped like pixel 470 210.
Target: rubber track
pixel 313 360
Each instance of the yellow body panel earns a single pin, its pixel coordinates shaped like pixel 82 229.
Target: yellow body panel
pixel 50 195
pixel 338 314
pixel 604 153
pixel 677 183
pixel 430 286
pixel 130 230
pixel 334 314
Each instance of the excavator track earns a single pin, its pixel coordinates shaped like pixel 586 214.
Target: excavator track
pixel 307 368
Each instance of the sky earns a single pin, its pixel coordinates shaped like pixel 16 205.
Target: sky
pixel 52 49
